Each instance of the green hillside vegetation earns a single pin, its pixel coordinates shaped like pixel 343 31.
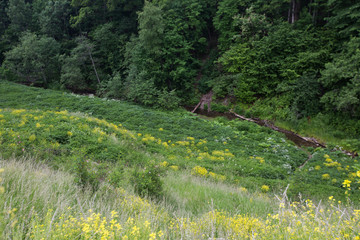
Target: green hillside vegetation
pixel 66 170
pixel 56 208
pixel 95 141
pixel 237 152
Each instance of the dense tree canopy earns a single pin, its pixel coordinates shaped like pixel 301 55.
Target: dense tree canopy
pixel 167 52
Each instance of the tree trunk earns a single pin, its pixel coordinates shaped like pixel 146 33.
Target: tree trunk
pixel 294 11
pixel 93 64
pixel 293 8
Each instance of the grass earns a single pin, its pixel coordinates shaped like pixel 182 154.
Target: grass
pixel 33 190
pixel 38 202
pixel 196 196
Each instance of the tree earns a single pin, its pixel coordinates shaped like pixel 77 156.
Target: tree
pixel 224 23
pixel 20 15
pixel 345 17
pixel 341 79
pixel 109 48
pixel 144 54
pixel 34 59
pixel 4 24
pixel 252 26
pixel 54 19
pixel 79 71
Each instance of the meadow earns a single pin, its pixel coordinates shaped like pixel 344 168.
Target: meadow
pixel 81 167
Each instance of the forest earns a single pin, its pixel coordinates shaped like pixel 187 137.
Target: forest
pixel 166 53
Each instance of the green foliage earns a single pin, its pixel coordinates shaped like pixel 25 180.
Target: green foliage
pixel 219 108
pixel 224 21
pixel 19 13
pixel 168 100
pixel 238 60
pixel 117 175
pixel 326 170
pixel 54 18
pixel 151 28
pixel 341 79
pixel 34 59
pixel 147 181
pixel 157 61
pixel 84 177
pixel 238 150
pixel 271 64
pixel 151 52
pixel 345 17
pixel 109 48
pixel 252 26
pixel 113 88
pixel 306 96
pixel 77 72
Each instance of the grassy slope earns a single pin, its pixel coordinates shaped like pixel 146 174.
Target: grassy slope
pixel 245 154
pixel 257 155
pixel 40 203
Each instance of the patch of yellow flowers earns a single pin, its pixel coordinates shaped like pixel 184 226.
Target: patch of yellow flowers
pixel 292 221
pixel 202 172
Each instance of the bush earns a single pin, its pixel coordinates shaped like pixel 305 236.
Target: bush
pixel 168 100
pixel 147 181
pixel 84 177
pixel 116 177
pixel 219 108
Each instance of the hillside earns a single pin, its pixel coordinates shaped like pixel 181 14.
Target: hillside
pixel 239 150
pixel 190 169
pixel 291 61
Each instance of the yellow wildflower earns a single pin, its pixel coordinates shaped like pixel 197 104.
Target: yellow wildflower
pixel 265 188
pixel 175 168
pixel 346 183
pixel 199 171
pixel 32 138
pixel 325 176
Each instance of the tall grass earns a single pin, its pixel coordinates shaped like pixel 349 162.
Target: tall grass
pixel 32 190
pixel 196 196
pixel 39 203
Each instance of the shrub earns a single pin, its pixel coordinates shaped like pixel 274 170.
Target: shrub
pixel 84 177
pixel 219 108
pixel 116 177
pixel 147 181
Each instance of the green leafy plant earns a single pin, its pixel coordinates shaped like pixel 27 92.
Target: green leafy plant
pixel 83 176
pixel 147 181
